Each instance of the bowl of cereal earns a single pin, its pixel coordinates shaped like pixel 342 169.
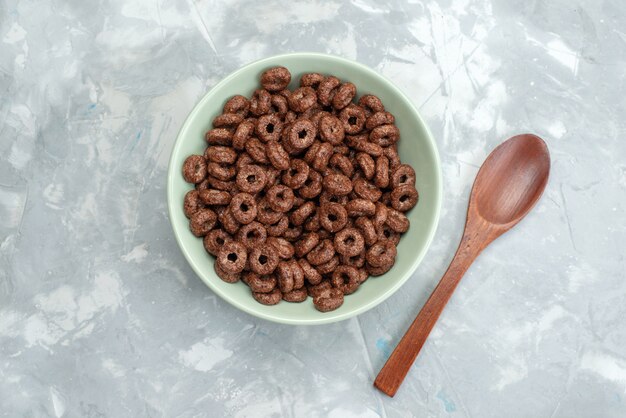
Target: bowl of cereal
pixel 304 188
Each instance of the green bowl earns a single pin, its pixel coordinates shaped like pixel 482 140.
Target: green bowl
pixel 416 146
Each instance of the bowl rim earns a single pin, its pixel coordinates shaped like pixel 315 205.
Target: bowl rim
pixel 328 317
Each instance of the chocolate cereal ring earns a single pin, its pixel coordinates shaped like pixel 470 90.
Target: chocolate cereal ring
pixel 329 301
pixel 226 276
pixel 237 104
pixel 301 134
pixel 326 90
pixel 259 284
pixel 343 95
pixel 371 103
pixel 256 149
pixel 277 155
pixel 192 203
pixel 337 184
pixel 367 190
pixel 296 295
pixel 219 136
pixel 312 185
pixel 241 135
pixel 403 175
pixel 220 154
pixel 357 261
pixel 367 229
pixel 331 129
pixel 251 179
pixel 380 215
pixel 269 127
pixel 252 235
pixel 385 135
pixel 313 223
pixel 275 79
pixel 300 215
pixel 367 164
pixel 302 99
pixel 243 208
pixel 381 253
pixel 385 233
pixel 404 197
pixel 263 260
pixel 322 253
pixel 397 221
pixel 346 279
pixel 215 240
pixel 194 169
pixel 333 217
pixel 232 257
pixel 341 163
pixel 278 228
pixel 392 155
pixel 202 222
pixel 280 198
pixel 319 289
pixel 261 102
pixel 306 243
pixel 328 267
pixel 265 214
pixel 215 197
pixel 352 119
pixel 283 247
pixel 285 275
pixel 360 207
pixel 221 172
pixel 380 270
pixel 310 274
pixel 297 174
pixel 312 80
pixel 322 156
pixel 279 105
pixel 381 175
pixel 271 298
pixel 227 120
pixel 293 232
pixel 349 242
pixel 379 118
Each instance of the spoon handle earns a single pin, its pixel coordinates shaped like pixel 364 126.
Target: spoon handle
pixel 397 366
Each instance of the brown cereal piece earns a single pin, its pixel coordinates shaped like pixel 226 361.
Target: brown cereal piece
pixel 256 149
pixel 301 134
pixel 261 102
pixel 360 207
pixel 385 233
pixel 280 198
pixel 202 222
pixel 306 243
pixel 259 284
pixel 278 228
pixel 349 242
pixel 269 127
pixel 346 279
pixel 215 240
pixel 322 253
pixel 265 214
pixel 313 223
pixel 237 104
pixel 326 90
pixel 285 275
pixel 217 184
pixel 227 120
pixel 284 248
pixel 322 157
pixel 297 202
pixel 337 184
pixel 330 301
pixel 352 119
pixel 392 155
pixel 324 234
pixel 251 179
pixel 311 113
pixel 252 235
pixel 302 99
pixel 385 135
pixel 404 197
pixel 192 203
pixel 361 144
pixel 379 118
pixel 271 298
pixel 333 217
pixel 317 116
pixel 312 186
pixel 226 276
pixel 354 260
pixel 243 207
pixel 363 274
pixel 228 221
pixel 297 174
pixel 220 154
pixel 292 233
pixel 232 257
pixel 203 185
pixel 194 169
pixel 221 172
pixel 380 270
pixel 331 129
pixel 328 267
pixel 279 105
pixel 327 197
pixel 297 295
pixel 381 253
pixel 366 190
pixel 300 215
pixel 241 135
pixel 263 259
pixel 319 289
pixel 344 95
pixel 367 164
pixel 298 274
pixel 275 79
pixel 276 154
pixel 367 229
pixel 397 221
pixel 215 197
pixel 371 103
pixel 341 163
pixel 380 215
pixel 381 175
pixel 310 274
pixel 219 136
pixel 403 175
pixel 312 80
pixel 273 177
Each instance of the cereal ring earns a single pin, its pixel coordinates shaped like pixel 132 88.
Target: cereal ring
pixel 232 257
pixel 251 179
pixel 349 242
pixel 285 275
pixel 219 136
pixel 317 115
pixel 381 253
pixel 404 197
pixel 296 295
pixel 277 155
pixel 243 207
pixel 263 260
pixel 221 172
pixel 403 175
pixel 322 157
pixel 203 185
pixel 346 279
pixel 297 202
pixel 305 244
pixel 278 228
pixel 220 154
pixel 352 119
pixel 366 190
pixel 301 134
pixel 228 221
pixel 194 169
pixel 192 203
pixel 310 274
pixel 297 175
pixel 271 298
pixel 298 274
pixel 360 207
pixel 311 113
pixel 243 132
pixel 227 120
pixel 380 216
pixel 313 223
pixel 252 235
pixel 328 267
pixel 293 232
pixel 227 186
pixel 341 163
pixel 367 164
pixel 326 197
pixel 260 103
pixel 279 105
pixel 237 104
pixel 379 118
pixel 280 198
pixel 361 144
pixel 202 222
pixel 378 271
pixel 397 221
pixel 385 233
pixel 337 184
pixel 368 230
pixel 312 80
pixel 215 197
pixel 226 276
pixel 371 103
pixel 329 302
pixel 363 275
pixel 319 289
pixel 385 135
pixel 322 253
pixel 333 217
pixel 259 284
pixel 302 99
pixel 300 215
pixel 326 90
pixel 331 129
pixel 265 214
pixel 256 149
pixel 381 176
pixel 355 260
pixel 269 127
pixel 215 240
pixel 312 186
pixel 392 155
pixel 275 79
pixel 283 247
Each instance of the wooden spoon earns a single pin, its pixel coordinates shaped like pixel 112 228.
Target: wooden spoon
pixel 507 186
